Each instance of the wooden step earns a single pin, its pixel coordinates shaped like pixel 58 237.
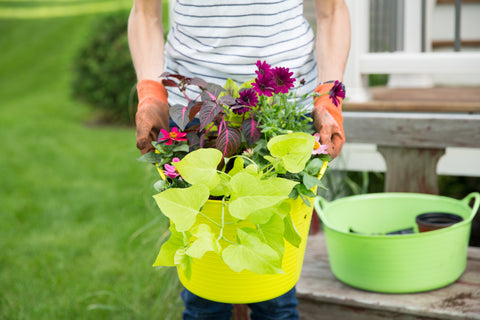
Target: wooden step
pixel 322 296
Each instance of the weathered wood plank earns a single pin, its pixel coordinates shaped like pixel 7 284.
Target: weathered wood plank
pixel 423 130
pixel 319 293
pixel 411 169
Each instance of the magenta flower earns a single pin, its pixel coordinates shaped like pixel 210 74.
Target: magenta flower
pixel 282 79
pixel 172 136
pixel 317 147
pixel 263 68
pixel 170 170
pixel 248 97
pixel 264 85
pixel 337 91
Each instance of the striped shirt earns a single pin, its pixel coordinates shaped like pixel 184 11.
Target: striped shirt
pixel 221 39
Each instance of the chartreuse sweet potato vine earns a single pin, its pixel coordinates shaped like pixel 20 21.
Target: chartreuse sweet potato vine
pixel 259 194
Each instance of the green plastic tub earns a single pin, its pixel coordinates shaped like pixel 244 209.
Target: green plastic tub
pixel 371 260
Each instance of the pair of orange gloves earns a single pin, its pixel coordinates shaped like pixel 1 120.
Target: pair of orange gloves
pixel 153 115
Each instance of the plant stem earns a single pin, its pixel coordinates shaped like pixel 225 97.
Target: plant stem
pixel 209 219
pixel 220 236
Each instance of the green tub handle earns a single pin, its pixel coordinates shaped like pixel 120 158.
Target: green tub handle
pixel 476 203
pixel 320 204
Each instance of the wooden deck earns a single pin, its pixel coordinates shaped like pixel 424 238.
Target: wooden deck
pixel 322 296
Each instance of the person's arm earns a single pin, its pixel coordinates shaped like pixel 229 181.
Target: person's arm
pixel 146 42
pixel 145 38
pixel 332 47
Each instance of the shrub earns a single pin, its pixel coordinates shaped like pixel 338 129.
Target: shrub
pixel 103 71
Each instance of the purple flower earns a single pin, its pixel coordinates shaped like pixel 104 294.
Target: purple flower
pixel 282 79
pixel 264 85
pixel 337 92
pixel 263 68
pixel 248 97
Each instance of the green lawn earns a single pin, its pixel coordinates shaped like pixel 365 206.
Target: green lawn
pixel 79 230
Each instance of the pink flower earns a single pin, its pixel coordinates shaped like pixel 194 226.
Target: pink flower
pixel 317 147
pixel 171 136
pixel 170 170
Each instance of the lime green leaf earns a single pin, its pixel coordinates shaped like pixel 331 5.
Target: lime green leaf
pixel 182 205
pixel 166 256
pixel 238 165
pixel 200 167
pixel 204 242
pixel 272 232
pixel 252 170
pixel 251 194
pixel 231 88
pixel 263 215
pixel 291 233
pixel 247 84
pixel 223 186
pixel 185 262
pixel 294 149
pixel 252 254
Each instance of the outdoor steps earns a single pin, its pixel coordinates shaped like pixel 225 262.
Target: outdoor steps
pixel 322 296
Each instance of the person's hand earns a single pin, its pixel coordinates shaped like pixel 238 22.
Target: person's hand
pixel 152 113
pixel 327 116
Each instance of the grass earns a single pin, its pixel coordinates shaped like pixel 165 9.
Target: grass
pixel 79 229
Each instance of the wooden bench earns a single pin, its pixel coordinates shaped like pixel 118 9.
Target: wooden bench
pixel 322 296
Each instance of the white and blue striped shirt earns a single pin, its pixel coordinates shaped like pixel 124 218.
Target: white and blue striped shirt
pixel 220 39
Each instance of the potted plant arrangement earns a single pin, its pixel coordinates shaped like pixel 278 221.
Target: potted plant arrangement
pixel 238 180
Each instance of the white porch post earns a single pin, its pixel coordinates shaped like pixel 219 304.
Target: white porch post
pixel 356 82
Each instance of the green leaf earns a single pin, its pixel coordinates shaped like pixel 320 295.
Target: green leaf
pixel 166 256
pixel 204 242
pixel 291 233
pixel 263 215
pixel 237 166
pixel 200 167
pixel 160 185
pixel 251 194
pixel 181 148
pixel 314 166
pixel 294 149
pixel 151 157
pixel 182 205
pixel 232 88
pixel 252 254
pixel 223 186
pixel 310 181
pixel 272 232
pixel 185 262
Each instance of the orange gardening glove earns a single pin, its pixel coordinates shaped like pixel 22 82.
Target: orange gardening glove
pixel 327 117
pixel 152 113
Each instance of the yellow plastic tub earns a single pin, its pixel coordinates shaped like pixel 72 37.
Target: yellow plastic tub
pixel 212 279
pixel 371 260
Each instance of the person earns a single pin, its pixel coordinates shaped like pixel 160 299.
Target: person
pixel 220 39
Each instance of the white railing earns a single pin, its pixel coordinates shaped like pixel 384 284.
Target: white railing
pixel 414 65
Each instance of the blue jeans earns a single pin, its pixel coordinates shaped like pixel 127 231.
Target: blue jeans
pixel 281 308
